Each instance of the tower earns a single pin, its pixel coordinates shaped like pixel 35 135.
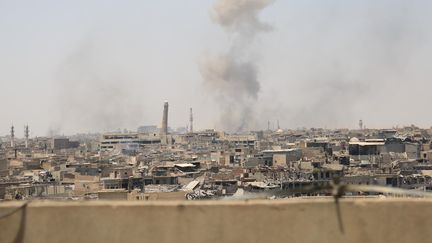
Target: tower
pixel 12 134
pixel 27 135
pixel 165 119
pixel 191 121
pixel 164 129
pixel 361 124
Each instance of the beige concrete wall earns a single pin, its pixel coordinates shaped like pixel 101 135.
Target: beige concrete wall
pixel 280 160
pixel 301 220
pixel 114 194
pixel 165 196
pixel 83 187
pixel 80 177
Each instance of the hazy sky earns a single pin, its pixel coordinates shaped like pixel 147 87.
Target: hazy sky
pixel 80 66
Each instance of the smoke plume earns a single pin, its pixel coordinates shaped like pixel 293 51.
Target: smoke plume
pixel 233 76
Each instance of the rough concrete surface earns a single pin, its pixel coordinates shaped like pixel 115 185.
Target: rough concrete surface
pixel 301 220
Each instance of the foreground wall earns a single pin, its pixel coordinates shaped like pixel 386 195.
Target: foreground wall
pixel 301 220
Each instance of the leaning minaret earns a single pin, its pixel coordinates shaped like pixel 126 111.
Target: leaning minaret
pixel 27 135
pixel 12 135
pixel 164 129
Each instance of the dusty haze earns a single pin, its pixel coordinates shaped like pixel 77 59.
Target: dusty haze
pixel 87 66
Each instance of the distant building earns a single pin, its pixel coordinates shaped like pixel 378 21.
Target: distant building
pixel 376 147
pixel 4 165
pixel 181 130
pixel 122 140
pixel 247 140
pixel 64 143
pixel 388 133
pixel 283 157
pixel 259 160
pixel 148 129
pixel 365 148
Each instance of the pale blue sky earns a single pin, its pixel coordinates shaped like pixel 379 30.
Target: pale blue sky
pixel 79 66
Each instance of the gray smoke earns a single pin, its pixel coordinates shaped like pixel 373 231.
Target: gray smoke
pixel 233 76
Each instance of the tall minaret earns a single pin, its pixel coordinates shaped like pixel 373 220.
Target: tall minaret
pixel 165 119
pixel 27 135
pixel 164 129
pixel 191 121
pixel 12 134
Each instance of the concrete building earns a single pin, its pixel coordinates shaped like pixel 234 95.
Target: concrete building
pixel 247 140
pixel 147 129
pixel 361 148
pixel 283 157
pixel 4 165
pixel 64 143
pixel 259 160
pixel 364 149
pixel 111 141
